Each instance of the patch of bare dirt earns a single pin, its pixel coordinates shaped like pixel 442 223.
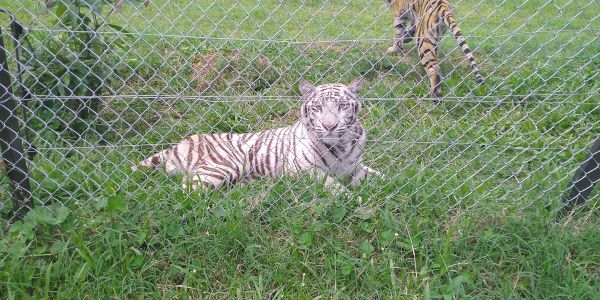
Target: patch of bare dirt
pixel 205 71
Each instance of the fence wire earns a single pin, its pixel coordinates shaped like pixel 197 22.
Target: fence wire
pixel 119 86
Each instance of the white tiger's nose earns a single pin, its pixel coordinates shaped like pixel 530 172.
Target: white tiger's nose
pixel 331 126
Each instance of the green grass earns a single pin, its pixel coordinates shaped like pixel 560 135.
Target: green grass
pixel 468 209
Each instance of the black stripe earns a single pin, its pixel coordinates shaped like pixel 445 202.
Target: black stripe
pixel 267 160
pixel 305 158
pixel 211 146
pixel 176 155
pixel 258 160
pixel 207 171
pixel 424 52
pixel 235 156
pixel 279 148
pixel 321 156
pixel 210 152
pixel 429 63
pixel 155 160
pixel 224 145
pixel 250 165
pixel 340 150
pixel 331 150
pixel 200 153
pixel 190 154
pixel 293 137
pixel 426 41
pixel 297 161
pixel 264 159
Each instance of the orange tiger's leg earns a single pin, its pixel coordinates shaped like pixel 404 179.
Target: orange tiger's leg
pixel 399 32
pixel 427 47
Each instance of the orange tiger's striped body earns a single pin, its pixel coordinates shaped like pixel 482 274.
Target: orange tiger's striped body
pixel 428 20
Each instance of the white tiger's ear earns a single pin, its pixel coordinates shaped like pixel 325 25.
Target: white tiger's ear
pixel 306 88
pixel 355 85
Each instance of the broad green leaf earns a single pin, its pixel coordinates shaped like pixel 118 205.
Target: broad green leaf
pixel 101 203
pixel 3 247
pixel 386 237
pixel 66 79
pixel 366 227
pixel 339 213
pixel 141 237
pixel 39 250
pixel 18 249
pixel 306 238
pixel 364 213
pixel 58 247
pixel 60 10
pixel 24 229
pixel 117 28
pixel 137 260
pixel 82 272
pixel 367 248
pixel 40 215
pixel 61 215
pixel 116 203
pixel 175 230
pixel 61 89
pixel 297 229
pixel 346 268
pixel 219 211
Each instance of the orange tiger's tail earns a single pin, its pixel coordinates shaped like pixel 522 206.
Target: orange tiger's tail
pixel 451 23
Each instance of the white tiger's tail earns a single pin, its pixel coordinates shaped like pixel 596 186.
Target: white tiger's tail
pixel 152 161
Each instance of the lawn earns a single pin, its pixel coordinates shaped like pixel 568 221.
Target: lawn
pixel 468 208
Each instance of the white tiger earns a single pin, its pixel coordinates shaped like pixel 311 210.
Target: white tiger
pixel 327 140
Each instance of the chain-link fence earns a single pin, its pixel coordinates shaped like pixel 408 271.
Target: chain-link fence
pixel 106 86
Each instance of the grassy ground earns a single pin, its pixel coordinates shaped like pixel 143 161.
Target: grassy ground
pixel 468 210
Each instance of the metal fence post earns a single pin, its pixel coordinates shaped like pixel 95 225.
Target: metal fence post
pixel 586 176
pixel 11 143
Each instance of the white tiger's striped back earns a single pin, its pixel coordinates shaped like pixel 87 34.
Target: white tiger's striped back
pixel 327 140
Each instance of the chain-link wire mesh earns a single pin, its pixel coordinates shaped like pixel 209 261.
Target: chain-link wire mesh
pixel 122 85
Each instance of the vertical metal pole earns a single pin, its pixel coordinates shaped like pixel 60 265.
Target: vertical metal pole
pixel 10 141
pixel 586 176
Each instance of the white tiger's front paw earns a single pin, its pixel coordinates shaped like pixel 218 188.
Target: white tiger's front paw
pixel 378 174
pixel 370 171
pixel 392 50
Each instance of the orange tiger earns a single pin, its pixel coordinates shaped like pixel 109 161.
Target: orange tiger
pixel 427 20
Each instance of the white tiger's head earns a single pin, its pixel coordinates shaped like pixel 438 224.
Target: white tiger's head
pixel 330 111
